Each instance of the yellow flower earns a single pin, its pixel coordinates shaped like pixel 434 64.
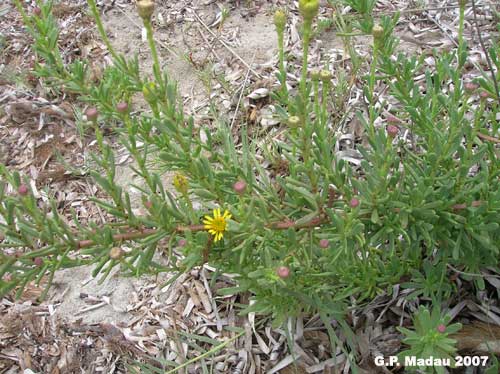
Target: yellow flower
pixel 216 225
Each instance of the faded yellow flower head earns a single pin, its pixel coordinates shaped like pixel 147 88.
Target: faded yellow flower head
pixel 181 183
pixel 145 8
pixel 216 224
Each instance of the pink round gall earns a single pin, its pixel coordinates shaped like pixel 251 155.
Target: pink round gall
pixel 441 328
pixel 283 272
pixel 354 203
pixel 392 131
pixel 92 114
pixel 240 187
pixel 23 190
pixel 122 107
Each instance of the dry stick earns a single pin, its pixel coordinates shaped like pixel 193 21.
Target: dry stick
pixel 279 225
pixel 139 234
pixel 443 30
pixel 170 50
pixel 241 94
pixel 488 138
pixel 226 45
pixel 488 60
pixel 422 10
pixel 212 48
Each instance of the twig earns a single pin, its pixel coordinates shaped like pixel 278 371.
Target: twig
pixel 488 138
pixel 241 94
pixel 430 18
pixel 473 274
pixel 422 10
pixel 156 39
pixel 211 47
pixel 483 46
pixel 226 45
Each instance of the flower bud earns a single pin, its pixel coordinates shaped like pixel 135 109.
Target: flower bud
pixel 38 261
pixel 280 21
pixel 148 204
pixel 354 203
pixel 484 95
pixel 392 131
pixel 324 243
pixel 148 90
pixel 471 87
pixel 92 114
pixel 23 190
pixel 315 74
pixel 181 183
pixel 122 107
pixel 145 8
pixel 116 253
pixel 377 32
pixel 283 272
pixel 294 121
pixel 37 11
pixel 392 119
pixel 308 9
pixel 182 243
pixel 441 328
pixel 240 187
pixel 325 76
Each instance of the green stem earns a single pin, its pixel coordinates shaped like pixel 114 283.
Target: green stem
pixel 154 53
pixel 461 43
pixel 281 47
pixel 305 52
pixel 100 27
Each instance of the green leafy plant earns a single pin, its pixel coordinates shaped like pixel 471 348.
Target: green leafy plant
pixel 430 339
pixel 310 233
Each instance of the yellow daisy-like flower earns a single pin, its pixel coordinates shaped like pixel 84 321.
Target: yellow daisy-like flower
pixel 216 225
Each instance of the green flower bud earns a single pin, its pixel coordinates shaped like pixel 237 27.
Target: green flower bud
pixel 294 121
pixel 315 74
pixel 377 32
pixel 308 9
pixel 145 8
pixel 148 90
pixel 325 76
pixel 280 21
